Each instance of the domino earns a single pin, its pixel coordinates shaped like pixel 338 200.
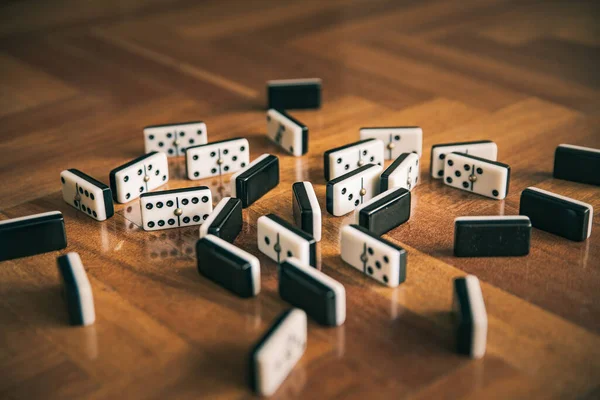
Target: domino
pixel 385 211
pixel 229 266
pixel 138 176
pixel 471 317
pixel 482 148
pixel 225 221
pixel 403 172
pixel 492 236
pixel 175 208
pixel 345 159
pixel 279 240
pixel 290 134
pixel 560 215
pixel 31 235
pixel 217 158
pixel 87 194
pixel 173 139
pixel 377 258
pixel 256 180
pixel 306 209
pixel 397 140
pixel 290 94
pixel 320 296
pixel 347 192
pixel 77 290
pixel 274 356
pixel 577 164
pixel 477 175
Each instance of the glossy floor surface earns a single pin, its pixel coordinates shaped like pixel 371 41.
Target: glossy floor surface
pixel 78 83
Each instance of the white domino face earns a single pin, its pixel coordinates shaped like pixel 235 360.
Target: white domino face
pixel 479 314
pixel 83 287
pixel 175 208
pixel 140 177
pixel 287 133
pixel 350 158
pixel 217 158
pixel 406 175
pixel 397 140
pixel 473 175
pixel 370 256
pixel 279 243
pixel 275 359
pixel 174 139
pixel 484 149
pixel 346 195
pixel 84 195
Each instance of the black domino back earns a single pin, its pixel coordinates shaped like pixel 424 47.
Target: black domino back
pixel 71 290
pixel 387 213
pixel 492 238
pixel 106 192
pixel 435 146
pixel 303 213
pixel 385 175
pixel 32 236
pixel 577 165
pixel 464 329
pixel 402 255
pixel 255 182
pixel 298 95
pixel 555 215
pixel 228 223
pixel 311 240
pixel 224 267
pixel 112 175
pixel 329 152
pixel 256 348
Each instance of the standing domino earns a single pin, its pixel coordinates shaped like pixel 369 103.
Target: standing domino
pixel 385 211
pixel 290 134
pixel 87 194
pixel 290 94
pixel 256 180
pixel 347 192
pixel 306 209
pixel 345 159
pixel 482 148
pixel 477 175
pixel 403 172
pixel 138 176
pixel 173 139
pixel 560 215
pixel 471 317
pixel 280 240
pixel 32 234
pixel 217 158
pixel 492 236
pixel 229 266
pixel 577 164
pixel 378 258
pixel 398 140
pixel 77 290
pixel 175 208
pixel 277 352
pixel 323 298
pixel 225 221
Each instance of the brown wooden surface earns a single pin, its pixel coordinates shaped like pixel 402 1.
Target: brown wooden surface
pixel 78 82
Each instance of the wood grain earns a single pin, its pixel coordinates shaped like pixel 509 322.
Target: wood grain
pixel 79 82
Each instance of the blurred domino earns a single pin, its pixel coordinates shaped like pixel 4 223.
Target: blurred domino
pixel 138 176
pixel 577 164
pixel 471 316
pixel 492 236
pixel 77 289
pixel 87 194
pixel 306 209
pixel 256 180
pixel 290 134
pixel 229 266
pixel 278 351
pixel 173 139
pixel 225 221
pixel 290 94
pixel 385 211
pixel 482 148
pixel 397 140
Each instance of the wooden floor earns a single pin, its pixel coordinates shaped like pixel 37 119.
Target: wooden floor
pixel 78 83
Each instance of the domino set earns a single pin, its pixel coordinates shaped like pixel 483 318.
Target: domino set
pixel 356 181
